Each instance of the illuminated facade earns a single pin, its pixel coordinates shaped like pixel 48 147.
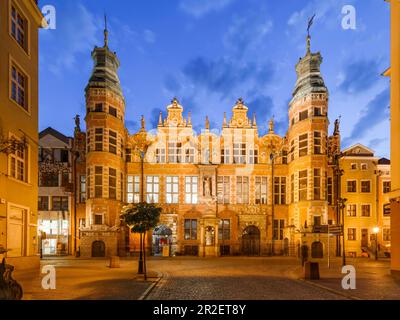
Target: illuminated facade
pixel 19 24
pixel 227 191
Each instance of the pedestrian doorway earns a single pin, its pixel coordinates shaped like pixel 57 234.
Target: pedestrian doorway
pixel 251 241
pixel 364 238
pixel 162 240
pixel 98 249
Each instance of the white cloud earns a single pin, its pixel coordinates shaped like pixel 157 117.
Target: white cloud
pixel 79 36
pixel 198 8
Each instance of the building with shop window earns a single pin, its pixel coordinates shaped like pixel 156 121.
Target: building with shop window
pixel 19 24
pixel 223 191
pixel 55 193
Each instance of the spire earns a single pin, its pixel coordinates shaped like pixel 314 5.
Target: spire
pixel 310 23
pixel 308 45
pixel 189 122
pixel 143 124
pixel 105 32
pixel 224 124
pixel 254 120
pixel 160 119
pixel 207 123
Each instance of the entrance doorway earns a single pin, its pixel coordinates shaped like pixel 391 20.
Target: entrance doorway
pixel 98 249
pixel 251 241
pixel 162 240
pixel 364 238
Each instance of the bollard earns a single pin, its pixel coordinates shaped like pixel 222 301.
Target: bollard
pixel 311 270
pixel 114 262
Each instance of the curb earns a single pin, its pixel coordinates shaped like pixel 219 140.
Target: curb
pixel 152 286
pixel 329 289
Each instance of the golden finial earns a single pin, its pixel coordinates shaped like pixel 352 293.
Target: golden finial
pixel 271 125
pixel 207 123
pixel 189 122
pixel 254 120
pixel 143 124
pixel 224 123
pixel 160 119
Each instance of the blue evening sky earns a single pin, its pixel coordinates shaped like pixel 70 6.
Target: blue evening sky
pixel 208 53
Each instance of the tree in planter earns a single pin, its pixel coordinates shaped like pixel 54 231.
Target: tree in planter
pixel 140 218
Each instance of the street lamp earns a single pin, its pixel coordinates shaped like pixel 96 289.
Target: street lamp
pixel 375 231
pixel 341 206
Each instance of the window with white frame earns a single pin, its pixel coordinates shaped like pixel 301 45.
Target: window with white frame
pixel 261 190
pixel 239 153
pixel 386 186
pixel 189 155
pixel 351 234
pixel 351 186
pixel 352 210
pixel 172 189
pixel 317 184
pixel 19 164
pixel 386 234
pixel 365 186
pixel 174 152
pixel 303 145
pixel 133 189
pixel 223 189
pixel 364 166
pixel 317 142
pixel 253 156
pixel 19 87
pixel 152 189
pixel 19 27
pixel 112 183
pixel 160 155
pixel 279 190
pixel 112 141
pixel 191 189
pixel 242 190
pixel 225 155
pixel 365 210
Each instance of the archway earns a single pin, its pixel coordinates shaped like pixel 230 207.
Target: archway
pixel 98 249
pixel 317 250
pixel 251 241
pixel 162 238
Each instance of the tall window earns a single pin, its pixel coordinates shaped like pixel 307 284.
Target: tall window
pixel 279 225
pixel 303 145
pixel 225 155
pixel 365 186
pixel 279 190
pixel 386 209
pixel 292 188
pixel 160 155
pixel 317 184
pixel 152 189
pixel 88 146
pixel 261 190
pixel 189 155
pixel 133 189
pixel 386 234
pixel 98 138
pixel 98 107
pixel 128 155
pixel 365 210
pixel 242 190
pixel 89 194
pixel 98 182
pixel 253 156
pixel 82 188
pixel 19 27
pixel 19 164
pixel 317 142
pixel 386 186
pixel 191 189
pixel 174 152
pixel 223 189
pixel 352 210
pixel 292 150
pixel 190 229
pixel 112 142
pixel 351 234
pixel 351 186
pixel 19 86
pixel 112 183
pixel 239 153
pixel 330 190
pixel 224 229
pixel 60 203
pixel 303 185
pixel 172 189
pixel 43 203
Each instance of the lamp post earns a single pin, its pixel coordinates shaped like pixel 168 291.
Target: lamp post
pixel 341 206
pixel 375 231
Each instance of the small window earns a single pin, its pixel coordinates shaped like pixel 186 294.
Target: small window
pixel 365 210
pixel 352 186
pixel 19 86
pixel 366 186
pixel 303 115
pixel 386 209
pixel 112 111
pixel 317 112
pixel 354 166
pixel 351 210
pixel 98 107
pixel 98 219
pixel 19 26
pixel 386 186
pixel 364 166
pixel 351 234
pixel 43 203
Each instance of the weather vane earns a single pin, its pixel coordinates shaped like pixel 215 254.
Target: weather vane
pixel 310 23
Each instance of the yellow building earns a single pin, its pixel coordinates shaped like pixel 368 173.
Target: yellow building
pixel 19 24
pixel 394 73
pixel 223 191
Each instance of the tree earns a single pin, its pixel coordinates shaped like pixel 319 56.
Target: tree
pixel 140 218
